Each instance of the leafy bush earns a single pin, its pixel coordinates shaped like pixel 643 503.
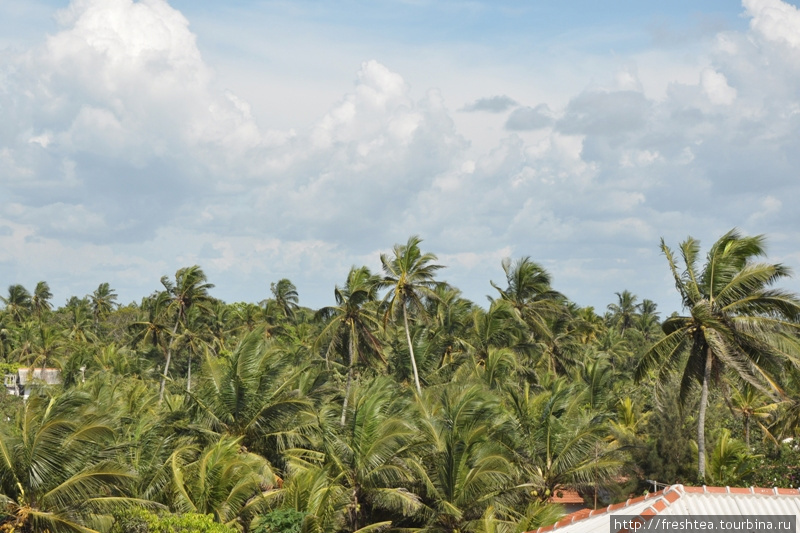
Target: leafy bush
pixel 779 466
pixel 142 521
pixel 278 521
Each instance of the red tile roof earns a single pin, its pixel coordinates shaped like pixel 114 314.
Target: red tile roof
pixel 566 497
pixel 662 500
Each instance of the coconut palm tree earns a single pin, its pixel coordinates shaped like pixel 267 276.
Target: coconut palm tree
pixel 451 318
pixel 371 454
pixel 625 311
pixel 285 298
pixel 40 301
pixel 559 443
pixel 221 479
pixel 349 322
pixel 103 300
pixel 57 471
pixel 530 294
pixel 736 321
pixel 189 290
pixel 753 405
pixel 467 467
pixel 253 393
pixel 152 330
pixel 18 302
pixel 410 276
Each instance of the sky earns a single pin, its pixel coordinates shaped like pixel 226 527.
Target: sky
pixel 269 139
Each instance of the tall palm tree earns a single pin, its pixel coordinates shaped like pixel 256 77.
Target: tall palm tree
pixel 190 289
pixel 349 322
pixel 530 294
pixel 285 296
pixel 40 301
pixel 736 321
pixel 103 300
pixel 409 275
pixel 624 312
pixel 18 302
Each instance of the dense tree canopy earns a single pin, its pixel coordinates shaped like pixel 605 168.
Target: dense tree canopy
pixel 400 405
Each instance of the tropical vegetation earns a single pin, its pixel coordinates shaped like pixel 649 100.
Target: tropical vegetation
pixel 399 406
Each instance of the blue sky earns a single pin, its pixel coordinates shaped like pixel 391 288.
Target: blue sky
pixel 264 140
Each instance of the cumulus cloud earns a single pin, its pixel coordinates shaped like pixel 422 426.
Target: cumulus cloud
pixel 122 160
pixel 530 118
pixel 491 104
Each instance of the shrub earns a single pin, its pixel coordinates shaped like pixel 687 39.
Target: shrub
pixel 142 521
pixel 278 521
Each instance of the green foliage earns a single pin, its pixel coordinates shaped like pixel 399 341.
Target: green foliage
pixel 143 521
pixel 278 521
pixel 401 406
pixel 730 463
pixel 778 466
pixel 9 368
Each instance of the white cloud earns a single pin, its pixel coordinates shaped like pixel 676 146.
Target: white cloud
pixel 123 159
pixel 774 20
pixel 716 87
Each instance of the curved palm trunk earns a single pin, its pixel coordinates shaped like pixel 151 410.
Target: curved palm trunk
pixel 166 364
pixel 701 419
pixel 349 377
pixel 411 351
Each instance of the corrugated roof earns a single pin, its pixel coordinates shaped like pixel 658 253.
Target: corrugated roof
pixel 680 500
pixel 51 376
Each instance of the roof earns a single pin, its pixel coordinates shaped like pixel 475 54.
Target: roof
pixel 51 376
pixel 566 497
pixel 680 500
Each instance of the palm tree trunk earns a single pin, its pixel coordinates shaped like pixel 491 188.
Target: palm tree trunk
pixel 349 378
pixel 166 364
pixel 701 419
pixel 411 351
pixel 747 430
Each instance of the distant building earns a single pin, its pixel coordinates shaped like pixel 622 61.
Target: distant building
pixel 27 379
pixel 570 499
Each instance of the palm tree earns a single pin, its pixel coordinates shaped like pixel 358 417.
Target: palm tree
pixel 409 274
pixel 152 329
pixel 56 470
pixel 253 393
pixel 749 402
pixel 559 443
pixel 530 294
pixel 451 316
pixel 18 302
pixel 736 321
pixel 190 289
pixel 40 302
pixel 624 312
pixel 349 322
pixel 370 455
pixel 221 479
pixel 103 300
pixel 465 463
pixel 285 296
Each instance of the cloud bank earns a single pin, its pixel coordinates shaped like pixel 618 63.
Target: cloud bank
pixel 122 159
